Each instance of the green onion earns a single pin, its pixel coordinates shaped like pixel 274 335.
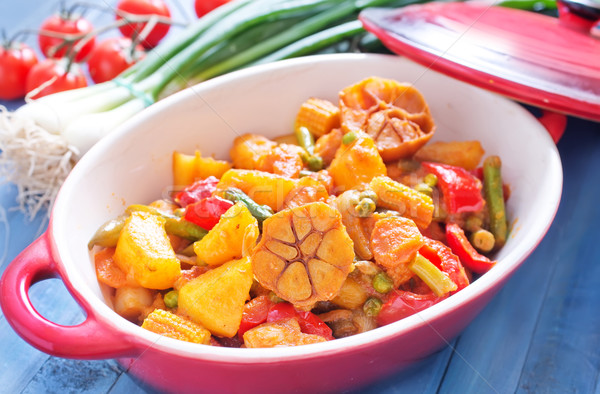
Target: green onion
pixel 438 281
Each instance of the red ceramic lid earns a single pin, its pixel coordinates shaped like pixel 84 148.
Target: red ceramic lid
pixel 536 59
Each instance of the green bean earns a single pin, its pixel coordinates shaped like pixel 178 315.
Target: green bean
pixel 305 139
pixel 260 212
pixel 494 196
pixel 108 234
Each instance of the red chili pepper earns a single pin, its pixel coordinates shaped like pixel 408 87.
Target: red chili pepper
pixel 460 245
pixel 255 313
pixel 402 304
pixel 461 189
pixel 442 257
pixel 309 322
pixel 197 191
pixel 207 212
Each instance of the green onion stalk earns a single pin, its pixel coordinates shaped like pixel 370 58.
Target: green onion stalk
pixel 42 140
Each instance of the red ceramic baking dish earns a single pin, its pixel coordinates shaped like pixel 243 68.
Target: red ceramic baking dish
pixel 133 165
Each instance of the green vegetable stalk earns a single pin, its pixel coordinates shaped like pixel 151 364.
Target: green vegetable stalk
pixel 494 196
pixel 260 212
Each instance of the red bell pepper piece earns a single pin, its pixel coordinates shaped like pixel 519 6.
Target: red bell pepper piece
pixel 255 313
pixel 402 304
pixel 207 212
pixel 442 257
pixel 197 191
pixel 460 245
pixel 461 189
pixel 309 322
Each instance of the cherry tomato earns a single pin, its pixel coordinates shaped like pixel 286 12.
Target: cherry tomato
pixel 54 47
pixel 111 57
pixel 144 8
pixel 203 7
pixel 16 60
pixel 56 70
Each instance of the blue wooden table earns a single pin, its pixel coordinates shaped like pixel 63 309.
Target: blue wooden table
pixel 540 334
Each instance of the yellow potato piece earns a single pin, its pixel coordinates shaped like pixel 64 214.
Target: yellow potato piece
pixel 465 154
pixel 356 164
pixel 216 299
pixel 189 168
pixel 236 231
pixel 145 253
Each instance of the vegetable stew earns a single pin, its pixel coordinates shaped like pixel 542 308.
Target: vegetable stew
pixel 351 221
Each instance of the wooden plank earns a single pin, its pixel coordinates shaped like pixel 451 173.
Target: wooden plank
pixel 496 345
pixel 59 375
pixel 128 384
pixel 497 340
pixel 19 362
pixel 563 355
pixel 424 377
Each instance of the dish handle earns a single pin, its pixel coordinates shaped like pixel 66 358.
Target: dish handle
pixel 554 123
pixel 87 340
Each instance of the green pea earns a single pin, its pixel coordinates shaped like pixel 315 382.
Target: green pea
pixel 349 138
pixel 382 283
pixel 171 299
pixel 314 163
pixel 424 188
pixel 372 306
pixel 430 180
pixel 483 240
pixel 369 194
pixel 365 208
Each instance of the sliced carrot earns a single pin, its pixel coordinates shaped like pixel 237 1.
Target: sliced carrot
pixel 395 241
pixel 107 271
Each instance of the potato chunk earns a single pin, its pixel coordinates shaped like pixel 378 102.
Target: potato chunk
pixel 465 154
pixel 236 231
pixel 189 168
pixel 216 299
pixel 145 253
pixel 356 164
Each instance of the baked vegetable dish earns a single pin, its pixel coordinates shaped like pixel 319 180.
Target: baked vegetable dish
pixel 351 221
